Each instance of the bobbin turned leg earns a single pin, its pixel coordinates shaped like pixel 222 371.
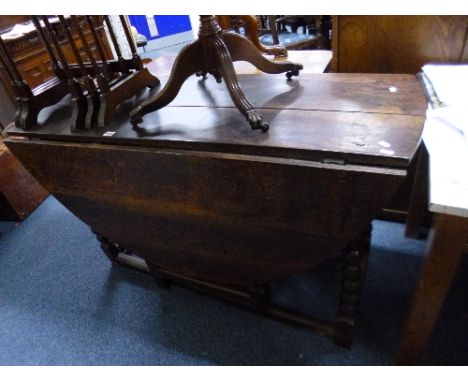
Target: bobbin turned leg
pixel 354 269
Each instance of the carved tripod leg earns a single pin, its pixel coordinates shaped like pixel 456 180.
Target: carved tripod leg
pixel 226 69
pixel 189 61
pixel 242 49
pixel 354 269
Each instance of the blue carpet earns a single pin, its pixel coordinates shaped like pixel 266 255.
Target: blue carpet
pixel 62 303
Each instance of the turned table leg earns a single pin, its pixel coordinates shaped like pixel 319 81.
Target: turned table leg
pixel 354 270
pixel 445 247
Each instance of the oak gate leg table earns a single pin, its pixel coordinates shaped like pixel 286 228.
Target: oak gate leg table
pixel 193 195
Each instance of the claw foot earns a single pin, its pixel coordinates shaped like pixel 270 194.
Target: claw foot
pixel 217 76
pixel 202 73
pixel 135 116
pixel 255 121
pixel 294 72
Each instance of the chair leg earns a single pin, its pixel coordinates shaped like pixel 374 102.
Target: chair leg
pixel 189 61
pixel 242 49
pixel 251 30
pixel 79 111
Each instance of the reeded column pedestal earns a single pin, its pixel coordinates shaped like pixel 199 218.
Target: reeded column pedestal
pixel 213 53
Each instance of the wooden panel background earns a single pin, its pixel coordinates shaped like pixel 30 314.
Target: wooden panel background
pixel 397 44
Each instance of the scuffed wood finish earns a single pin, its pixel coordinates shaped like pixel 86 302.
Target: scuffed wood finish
pixel 319 117
pixel 319 91
pixel 236 219
pixel 397 44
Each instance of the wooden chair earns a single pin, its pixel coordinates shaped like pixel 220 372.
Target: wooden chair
pixel 284 30
pixel 270 34
pixel 249 26
pixel 140 39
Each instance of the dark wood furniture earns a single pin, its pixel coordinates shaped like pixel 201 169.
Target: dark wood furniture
pixel 200 199
pixel 29 102
pixel 269 34
pixel 397 44
pixel 31 57
pixel 251 29
pixel 213 53
pixel 283 30
pixel 96 84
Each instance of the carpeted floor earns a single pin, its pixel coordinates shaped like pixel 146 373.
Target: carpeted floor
pixel 62 303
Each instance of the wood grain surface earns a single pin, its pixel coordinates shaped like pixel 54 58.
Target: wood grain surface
pixel 397 44
pixel 236 219
pixel 350 117
pixel 197 192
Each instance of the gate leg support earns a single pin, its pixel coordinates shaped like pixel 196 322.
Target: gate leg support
pixel 354 270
